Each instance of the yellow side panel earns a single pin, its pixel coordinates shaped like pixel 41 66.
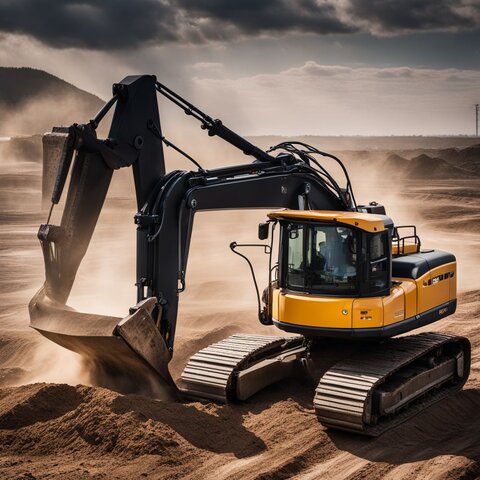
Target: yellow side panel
pixel 409 288
pixel 310 311
pixel 453 281
pixel 434 287
pixel 367 312
pixel 275 295
pixel 394 306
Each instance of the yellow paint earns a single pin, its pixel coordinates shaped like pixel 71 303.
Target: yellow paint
pixel 274 300
pixel 336 312
pixel 409 288
pixel 365 221
pixel 431 292
pixel 312 311
pixel 453 281
pixel 367 312
pixel 407 299
pixel 394 306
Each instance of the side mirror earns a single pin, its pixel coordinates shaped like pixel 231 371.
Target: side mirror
pixel 263 231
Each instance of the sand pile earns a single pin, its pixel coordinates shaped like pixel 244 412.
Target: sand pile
pixel 447 164
pixel 466 158
pixel 424 166
pixel 43 419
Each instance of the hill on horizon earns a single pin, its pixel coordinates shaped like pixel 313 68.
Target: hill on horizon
pixel 32 101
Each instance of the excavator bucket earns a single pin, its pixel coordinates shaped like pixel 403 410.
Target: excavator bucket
pixel 130 353
pixel 127 354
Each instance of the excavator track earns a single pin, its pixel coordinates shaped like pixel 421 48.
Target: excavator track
pixel 238 366
pixel 372 391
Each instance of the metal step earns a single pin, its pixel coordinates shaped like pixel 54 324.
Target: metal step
pixel 386 384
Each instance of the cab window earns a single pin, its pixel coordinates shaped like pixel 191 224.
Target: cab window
pixel 378 274
pixel 295 275
pixel 321 258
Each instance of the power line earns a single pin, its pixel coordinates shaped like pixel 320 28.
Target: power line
pixel 476 119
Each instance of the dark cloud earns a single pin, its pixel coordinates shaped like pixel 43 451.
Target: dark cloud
pixel 415 15
pixel 253 17
pixel 117 24
pixel 121 24
pixel 91 24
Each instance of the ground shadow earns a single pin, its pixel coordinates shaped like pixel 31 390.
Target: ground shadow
pixel 450 427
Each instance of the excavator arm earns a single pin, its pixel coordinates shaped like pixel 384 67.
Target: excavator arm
pixel 166 223
pixel 167 202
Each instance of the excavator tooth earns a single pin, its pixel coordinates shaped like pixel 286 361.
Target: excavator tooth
pixel 126 354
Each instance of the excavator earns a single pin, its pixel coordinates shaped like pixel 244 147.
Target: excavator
pixel 340 274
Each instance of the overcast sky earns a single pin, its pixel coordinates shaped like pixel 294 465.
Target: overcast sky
pixel 284 67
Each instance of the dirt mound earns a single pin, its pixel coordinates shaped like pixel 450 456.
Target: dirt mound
pixel 85 432
pixel 426 167
pixel 29 149
pixel 465 158
pixel 43 419
pixel 27 405
pixel 436 165
pixel 273 437
pixel 396 163
pixel 91 422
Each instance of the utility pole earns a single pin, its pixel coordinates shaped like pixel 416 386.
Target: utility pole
pixel 476 119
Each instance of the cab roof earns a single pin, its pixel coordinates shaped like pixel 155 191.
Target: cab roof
pixel 365 221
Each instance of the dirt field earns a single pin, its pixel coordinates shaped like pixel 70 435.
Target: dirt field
pixel 53 425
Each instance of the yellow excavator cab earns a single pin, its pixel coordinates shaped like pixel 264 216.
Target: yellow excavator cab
pixel 349 274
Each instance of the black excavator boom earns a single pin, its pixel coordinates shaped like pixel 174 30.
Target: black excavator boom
pixel 142 342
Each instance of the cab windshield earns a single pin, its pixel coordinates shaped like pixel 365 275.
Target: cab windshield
pixel 321 258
